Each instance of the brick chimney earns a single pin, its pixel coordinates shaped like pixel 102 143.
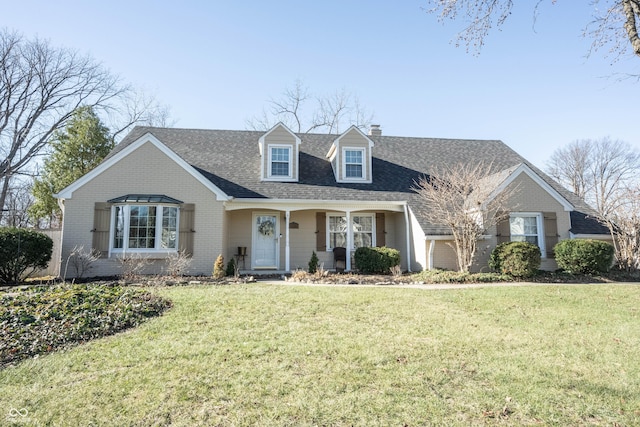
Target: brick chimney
pixel 375 130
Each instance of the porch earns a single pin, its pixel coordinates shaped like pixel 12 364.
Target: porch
pixel 268 237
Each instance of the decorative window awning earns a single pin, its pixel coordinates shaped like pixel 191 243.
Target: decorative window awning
pixel 145 198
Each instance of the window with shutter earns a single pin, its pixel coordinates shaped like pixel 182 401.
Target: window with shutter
pixel 529 227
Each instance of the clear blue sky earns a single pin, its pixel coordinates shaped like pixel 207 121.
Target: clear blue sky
pixel 217 63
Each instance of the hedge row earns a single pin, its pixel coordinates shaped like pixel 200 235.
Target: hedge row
pixel 522 259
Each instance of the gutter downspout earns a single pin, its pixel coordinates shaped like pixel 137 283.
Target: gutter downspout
pixel 59 261
pixel 349 241
pixel 287 256
pixel 408 236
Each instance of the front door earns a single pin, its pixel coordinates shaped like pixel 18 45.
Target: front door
pixel 266 241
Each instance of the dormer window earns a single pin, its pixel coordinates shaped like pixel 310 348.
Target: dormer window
pixel 279 161
pixel 279 155
pixel 351 157
pixel 353 164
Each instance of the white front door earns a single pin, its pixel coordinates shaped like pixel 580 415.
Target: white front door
pixel 266 241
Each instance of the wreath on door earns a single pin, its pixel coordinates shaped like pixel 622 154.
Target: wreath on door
pixel 267 228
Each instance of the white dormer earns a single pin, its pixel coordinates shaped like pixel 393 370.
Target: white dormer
pixel 350 156
pixel 279 154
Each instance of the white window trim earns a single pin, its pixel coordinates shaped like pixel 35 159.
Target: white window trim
pixel 344 164
pixel 539 225
pixel 127 218
pixel 350 228
pixel 270 175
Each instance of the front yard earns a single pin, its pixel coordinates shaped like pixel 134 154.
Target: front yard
pixel 261 354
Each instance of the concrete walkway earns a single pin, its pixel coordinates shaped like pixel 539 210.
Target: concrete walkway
pixel 439 286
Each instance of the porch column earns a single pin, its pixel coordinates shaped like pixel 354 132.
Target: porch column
pixel 347 266
pixel 287 257
pixel 432 247
pixel 407 225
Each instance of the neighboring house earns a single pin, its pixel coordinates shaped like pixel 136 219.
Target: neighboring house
pixel 283 195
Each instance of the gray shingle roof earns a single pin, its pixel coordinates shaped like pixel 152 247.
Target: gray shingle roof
pixel 231 161
pixel 582 223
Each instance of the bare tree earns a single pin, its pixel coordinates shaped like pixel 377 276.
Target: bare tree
pixel 304 113
pixel 598 170
pixel 569 166
pixel 40 88
pixel 624 223
pixel 614 23
pixel 606 174
pixel 463 198
pixel 136 107
pixel 17 202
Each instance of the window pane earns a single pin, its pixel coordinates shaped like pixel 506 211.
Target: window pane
pixel 169 227
pixel 338 240
pixel 362 223
pixel 530 225
pixel 353 156
pixel 280 154
pixel 524 225
pixel 279 169
pixel 353 171
pixel 362 240
pixel 280 161
pixel 353 163
pixel 524 229
pixel 337 231
pixel 517 225
pixel 142 227
pixel 337 223
pixel 118 235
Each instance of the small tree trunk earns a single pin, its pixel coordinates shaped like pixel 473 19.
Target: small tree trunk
pixel 3 196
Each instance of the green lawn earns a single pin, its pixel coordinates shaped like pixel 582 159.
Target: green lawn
pixel 297 355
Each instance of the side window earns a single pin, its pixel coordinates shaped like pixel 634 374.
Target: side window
pixel 524 229
pixel 527 227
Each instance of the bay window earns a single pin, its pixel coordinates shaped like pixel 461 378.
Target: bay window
pixel 145 228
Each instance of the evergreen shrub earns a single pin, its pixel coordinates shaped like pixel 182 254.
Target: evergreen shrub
pixel 376 260
pixel 584 256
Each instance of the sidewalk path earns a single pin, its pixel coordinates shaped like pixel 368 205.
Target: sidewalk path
pixel 439 286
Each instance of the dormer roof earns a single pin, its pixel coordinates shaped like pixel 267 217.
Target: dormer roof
pixel 279 152
pixel 351 156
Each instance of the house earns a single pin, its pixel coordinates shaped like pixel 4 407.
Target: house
pixel 270 199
